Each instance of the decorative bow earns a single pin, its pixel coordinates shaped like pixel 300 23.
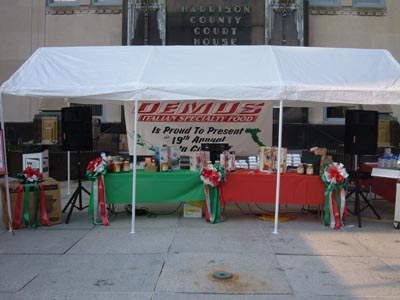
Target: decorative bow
pixel 30 175
pixel 336 174
pixel 95 167
pixel 97 202
pixel 335 178
pixel 213 175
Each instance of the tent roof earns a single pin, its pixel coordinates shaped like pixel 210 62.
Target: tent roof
pixel 124 73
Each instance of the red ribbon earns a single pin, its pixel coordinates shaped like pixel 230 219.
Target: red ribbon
pixel 335 209
pixel 93 164
pixel 18 207
pixel 221 198
pixel 29 172
pixel 207 203
pixel 344 215
pixel 334 173
pixel 102 200
pixel 336 213
pixel 45 219
pixel 211 175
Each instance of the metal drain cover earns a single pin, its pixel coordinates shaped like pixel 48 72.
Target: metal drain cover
pixel 220 275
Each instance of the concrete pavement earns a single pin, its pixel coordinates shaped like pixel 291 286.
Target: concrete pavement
pixel 173 258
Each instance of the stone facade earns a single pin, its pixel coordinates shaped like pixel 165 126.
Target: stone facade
pixel 27 25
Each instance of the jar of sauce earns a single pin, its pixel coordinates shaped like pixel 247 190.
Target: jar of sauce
pixel 300 169
pixel 310 169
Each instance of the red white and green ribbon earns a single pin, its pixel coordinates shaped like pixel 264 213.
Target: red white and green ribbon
pixel 213 176
pixel 335 178
pixel 97 203
pixel 40 204
pixel 30 178
pixel 30 175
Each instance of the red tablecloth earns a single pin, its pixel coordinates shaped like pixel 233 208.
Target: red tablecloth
pixel 258 187
pixel 384 187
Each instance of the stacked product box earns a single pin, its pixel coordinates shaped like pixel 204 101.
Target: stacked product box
pixel 198 160
pixel 167 158
pixel 269 159
pixel 227 160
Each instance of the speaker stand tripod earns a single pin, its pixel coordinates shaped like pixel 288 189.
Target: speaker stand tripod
pixel 357 193
pixel 77 194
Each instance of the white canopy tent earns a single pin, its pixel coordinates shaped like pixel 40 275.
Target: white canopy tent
pixel 290 76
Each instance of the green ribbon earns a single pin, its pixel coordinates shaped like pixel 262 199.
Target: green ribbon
pixel 214 196
pixel 329 188
pixel 92 176
pixel 215 205
pixel 36 189
pixel 221 170
pixel 91 200
pixel 27 189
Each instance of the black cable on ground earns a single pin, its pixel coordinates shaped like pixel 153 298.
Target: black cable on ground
pixel 144 211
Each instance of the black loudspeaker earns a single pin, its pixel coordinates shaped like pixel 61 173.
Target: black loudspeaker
pixel 77 134
pixel 361 132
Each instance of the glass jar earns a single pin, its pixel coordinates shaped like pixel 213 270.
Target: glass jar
pixel 164 166
pixel 127 167
pixel 310 169
pixel 117 167
pixel 300 169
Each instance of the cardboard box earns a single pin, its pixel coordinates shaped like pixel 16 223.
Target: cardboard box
pixel 265 160
pixel 150 168
pixel 384 133
pixel 269 159
pixel 52 199
pixel 38 161
pixel 193 209
pixel 198 160
pixel 227 161
pixel 274 157
pixel 325 159
pixel 123 142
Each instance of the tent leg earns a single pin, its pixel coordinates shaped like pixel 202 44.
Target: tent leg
pixel 134 166
pixel 68 162
pixel 68 172
pixel 5 164
pixel 278 175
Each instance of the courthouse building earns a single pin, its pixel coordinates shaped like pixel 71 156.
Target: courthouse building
pixel 28 25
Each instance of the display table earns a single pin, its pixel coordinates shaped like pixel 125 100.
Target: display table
pixel 388 188
pixel 384 186
pixel 154 187
pixel 258 187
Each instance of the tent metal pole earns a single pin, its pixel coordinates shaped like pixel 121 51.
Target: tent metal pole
pixel 68 162
pixel 134 166
pixel 278 173
pixel 5 163
pixel 68 171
